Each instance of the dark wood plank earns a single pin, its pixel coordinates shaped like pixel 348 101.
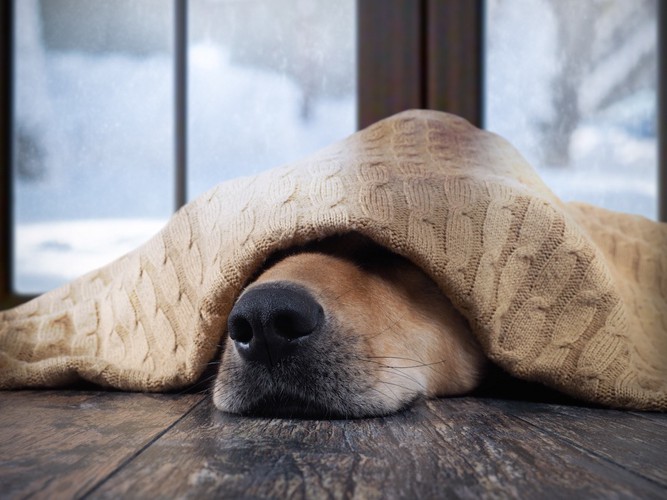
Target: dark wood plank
pixel 469 448
pixel 59 444
pixel 632 441
pixel 656 418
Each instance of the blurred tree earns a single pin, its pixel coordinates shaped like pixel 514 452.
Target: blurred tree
pixel 309 41
pixel 606 52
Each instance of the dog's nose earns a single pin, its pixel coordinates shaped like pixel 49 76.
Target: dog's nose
pixel 272 321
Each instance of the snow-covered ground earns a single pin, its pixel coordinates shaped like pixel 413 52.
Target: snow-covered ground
pixel 50 253
pixel 104 126
pixel 610 168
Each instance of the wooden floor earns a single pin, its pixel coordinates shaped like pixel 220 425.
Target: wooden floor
pixel 60 444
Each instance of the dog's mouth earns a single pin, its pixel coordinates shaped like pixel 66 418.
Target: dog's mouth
pixel 328 382
pixel 303 387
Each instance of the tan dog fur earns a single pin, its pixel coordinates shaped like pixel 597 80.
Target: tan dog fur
pixel 408 339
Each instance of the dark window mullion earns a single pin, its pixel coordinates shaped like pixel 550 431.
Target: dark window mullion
pixel 390 70
pixel 6 125
pixel 662 111
pixel 454 58
pixel 180 100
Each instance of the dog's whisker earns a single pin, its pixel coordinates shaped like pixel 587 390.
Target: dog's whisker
pixel 410 367
pixel 193 389
pixel 407 376
pixel 385 395
pixel 400 401
pixel 373 359
pixel 419 363
pixel 389 328
pixel 396 384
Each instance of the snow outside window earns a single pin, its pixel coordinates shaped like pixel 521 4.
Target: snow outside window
pixel 269 81
pixel 572 84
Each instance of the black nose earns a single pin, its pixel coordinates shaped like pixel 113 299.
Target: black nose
pixel 272 321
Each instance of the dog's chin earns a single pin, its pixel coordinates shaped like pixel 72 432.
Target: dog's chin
pixel 291 407
pixel 257 397
pixel 326 379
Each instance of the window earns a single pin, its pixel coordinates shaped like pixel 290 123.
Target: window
pixel 579 100
pixel 447 55
pixel 268 81
pixel 90 175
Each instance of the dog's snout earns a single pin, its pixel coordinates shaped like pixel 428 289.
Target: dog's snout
pixel 272 321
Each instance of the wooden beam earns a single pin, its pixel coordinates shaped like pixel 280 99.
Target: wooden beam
pixel 6 118
pixel 390 58
pixel 181 101
pixel 662 110
pixel 454 58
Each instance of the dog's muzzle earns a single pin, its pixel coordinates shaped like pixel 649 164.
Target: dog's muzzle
pixel 272 321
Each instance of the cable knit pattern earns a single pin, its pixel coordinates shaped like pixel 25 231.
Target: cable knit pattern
pixel 570 295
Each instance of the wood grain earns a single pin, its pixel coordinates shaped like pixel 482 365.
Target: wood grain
pixel 657 418
pixel 74 444
pixel 624 438
pixel 59 444
pixel 469 448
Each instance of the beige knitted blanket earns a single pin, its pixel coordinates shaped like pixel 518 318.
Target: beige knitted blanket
pixel 569 295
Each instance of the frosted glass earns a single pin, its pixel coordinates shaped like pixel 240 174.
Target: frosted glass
pixel 270 81
pixel 572 84
pixel 93 169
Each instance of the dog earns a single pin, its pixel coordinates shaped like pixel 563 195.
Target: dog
pixel 343 329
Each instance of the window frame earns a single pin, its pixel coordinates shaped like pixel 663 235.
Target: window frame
pixel 662 110
pixel 438 45
pixel 7 297
pixel 436 62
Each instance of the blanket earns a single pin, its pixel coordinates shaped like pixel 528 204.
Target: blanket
pixel 569 295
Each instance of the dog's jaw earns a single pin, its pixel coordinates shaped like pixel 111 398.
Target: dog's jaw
pixel 330 380
pixel 378 350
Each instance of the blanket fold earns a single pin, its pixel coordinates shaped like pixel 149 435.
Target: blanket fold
pixel 570 295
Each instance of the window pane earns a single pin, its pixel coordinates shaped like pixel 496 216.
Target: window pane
pixel 93 133
pixel 269 81
pixel 572 85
